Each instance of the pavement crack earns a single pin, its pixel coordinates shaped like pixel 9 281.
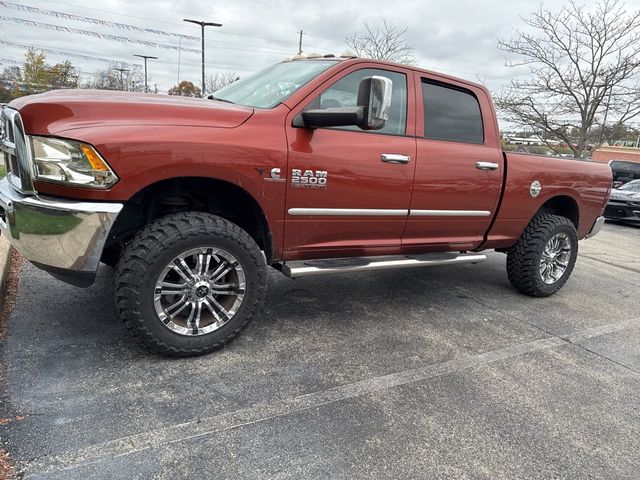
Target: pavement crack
pixel 612 264
pixel 510 315
pixel 604 357
pixel 202 427
pixel 263 412
pixel 566 338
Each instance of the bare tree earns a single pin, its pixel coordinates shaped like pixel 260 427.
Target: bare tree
pixel 117 77
pixel 215 82
pixel 382 43
pixel 583 64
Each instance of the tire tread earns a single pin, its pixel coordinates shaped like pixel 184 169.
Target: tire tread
pixel 138 257
pixel 522 258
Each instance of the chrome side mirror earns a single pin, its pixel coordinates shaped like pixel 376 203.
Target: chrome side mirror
pixel 374 94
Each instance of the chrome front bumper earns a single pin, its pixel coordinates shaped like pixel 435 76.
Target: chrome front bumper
pixel 63 237
pixel 597 226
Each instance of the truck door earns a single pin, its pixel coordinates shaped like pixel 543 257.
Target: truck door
pixel 348 190
pixel 459 167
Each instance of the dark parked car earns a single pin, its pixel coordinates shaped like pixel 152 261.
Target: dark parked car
pixel 624 172
pixel 624 203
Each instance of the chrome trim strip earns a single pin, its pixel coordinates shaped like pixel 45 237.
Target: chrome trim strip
pixel 449 213
pixel 8 147
pixel 597 226
pixel 68 237
pixel 383 212
pixel 16 145
pixel 303 269
pixel 345 212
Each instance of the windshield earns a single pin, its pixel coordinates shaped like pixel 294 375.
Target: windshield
pixel 633 186
pixel 270 86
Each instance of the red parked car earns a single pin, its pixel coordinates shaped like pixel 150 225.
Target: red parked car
pixel 311 166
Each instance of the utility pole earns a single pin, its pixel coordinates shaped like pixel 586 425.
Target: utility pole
pixel 202 25
pixel 300 43
pixel 146 88
pixel 179 50
pixel 122 70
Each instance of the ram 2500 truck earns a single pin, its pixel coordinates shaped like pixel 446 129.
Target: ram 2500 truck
pixel 312 166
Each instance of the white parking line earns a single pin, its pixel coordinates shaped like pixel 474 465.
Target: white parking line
pixel 262 412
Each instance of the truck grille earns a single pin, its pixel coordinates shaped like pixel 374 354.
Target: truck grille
pixel 15 149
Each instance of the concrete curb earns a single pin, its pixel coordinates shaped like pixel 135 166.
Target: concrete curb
pixel 5 260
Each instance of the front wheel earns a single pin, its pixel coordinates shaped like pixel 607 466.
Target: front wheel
pixel 543 259
pixel 188 283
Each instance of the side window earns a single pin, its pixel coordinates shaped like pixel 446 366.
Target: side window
pixel 451 114
pixel 344 93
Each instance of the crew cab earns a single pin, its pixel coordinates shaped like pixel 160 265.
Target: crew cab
pixel 312 166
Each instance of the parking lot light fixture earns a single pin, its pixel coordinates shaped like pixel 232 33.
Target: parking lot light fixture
pixel 202 25
pixel 145 57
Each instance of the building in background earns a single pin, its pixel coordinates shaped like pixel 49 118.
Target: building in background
pixel 607 153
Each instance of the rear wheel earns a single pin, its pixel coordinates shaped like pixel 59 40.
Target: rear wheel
pixel 543 259
pixel 188 283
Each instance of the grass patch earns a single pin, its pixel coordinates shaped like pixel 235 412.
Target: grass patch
pixel 30 222
pixel 2 171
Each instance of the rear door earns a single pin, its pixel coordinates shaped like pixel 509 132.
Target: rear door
pixel 459 166
pixel 347 192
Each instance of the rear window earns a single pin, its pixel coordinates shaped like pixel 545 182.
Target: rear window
pixel 621 166
pixel 451 114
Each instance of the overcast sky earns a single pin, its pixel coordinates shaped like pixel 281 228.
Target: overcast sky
pixel 457 37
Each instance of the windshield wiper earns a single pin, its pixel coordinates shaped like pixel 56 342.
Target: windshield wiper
pixel 211 97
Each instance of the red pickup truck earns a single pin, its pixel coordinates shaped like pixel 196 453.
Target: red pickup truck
pixel 311 166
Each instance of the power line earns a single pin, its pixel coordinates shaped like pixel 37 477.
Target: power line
pixel 62 52
pixel 226 32
pixel 94 21
pixel 221 44
pixel 127 26
pixel 264 47
pixel 88 33
pixel 109 61
pixel 174 12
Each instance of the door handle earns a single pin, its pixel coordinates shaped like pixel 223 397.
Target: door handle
pixel 487 166
pixel 395 158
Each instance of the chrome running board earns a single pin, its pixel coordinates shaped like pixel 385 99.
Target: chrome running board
pixel 307 268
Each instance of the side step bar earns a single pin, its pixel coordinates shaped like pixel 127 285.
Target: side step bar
pixel 308 268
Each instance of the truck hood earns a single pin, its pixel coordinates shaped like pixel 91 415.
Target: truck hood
pixel 58 111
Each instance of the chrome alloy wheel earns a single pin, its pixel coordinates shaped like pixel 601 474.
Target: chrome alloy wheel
pixel 199 291
pixel 555 258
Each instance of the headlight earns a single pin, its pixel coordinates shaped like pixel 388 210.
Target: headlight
pixel 71 163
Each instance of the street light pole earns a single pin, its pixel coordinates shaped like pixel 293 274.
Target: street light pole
pixel 202 25
pixel 121 70
pixel 146 89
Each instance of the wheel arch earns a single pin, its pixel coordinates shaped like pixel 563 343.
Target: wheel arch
pixel 180 194
pixel 562 205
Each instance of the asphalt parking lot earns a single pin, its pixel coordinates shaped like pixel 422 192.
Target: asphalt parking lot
pixel 429 373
